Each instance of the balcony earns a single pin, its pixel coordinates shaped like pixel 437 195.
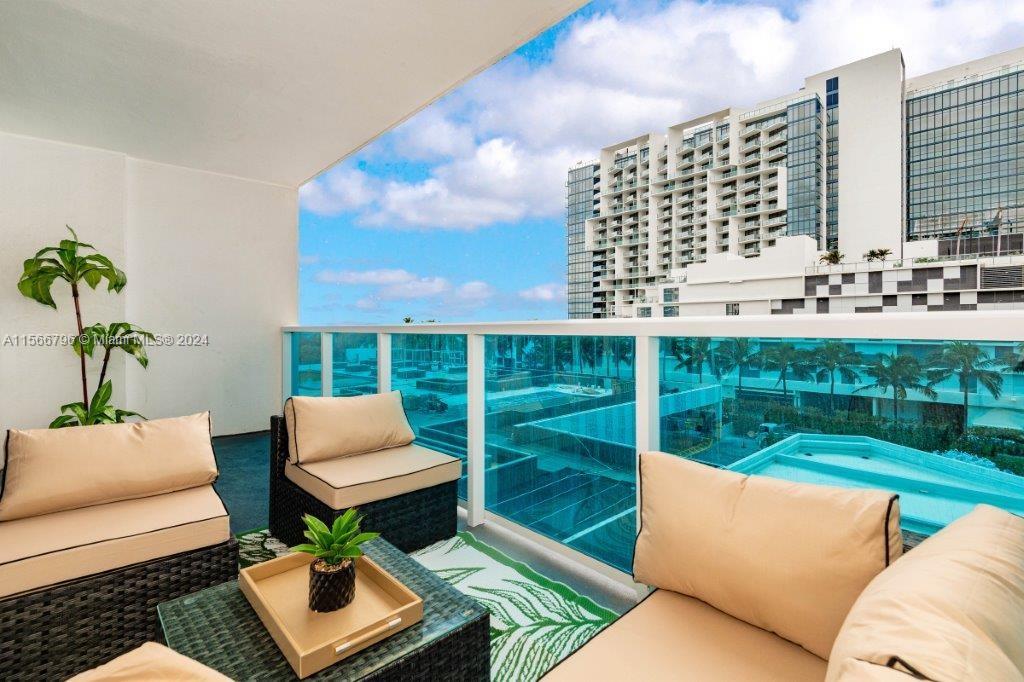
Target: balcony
pixel 547 406
pixel 540 425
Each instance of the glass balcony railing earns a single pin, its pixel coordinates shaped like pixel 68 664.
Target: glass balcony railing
pixel 548 417
pixel 430 371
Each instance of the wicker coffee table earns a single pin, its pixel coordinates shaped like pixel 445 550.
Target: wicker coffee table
pixel 218 628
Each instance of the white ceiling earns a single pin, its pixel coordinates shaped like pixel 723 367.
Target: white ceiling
pixel 274 90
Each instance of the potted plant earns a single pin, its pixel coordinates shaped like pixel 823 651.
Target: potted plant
pixel 70 262
pixel 332 576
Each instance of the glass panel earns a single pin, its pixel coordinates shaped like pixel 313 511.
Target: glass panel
pixel 940 423
pixel 355 364
pixel 430 371
pixel 561 439
pixel 306 364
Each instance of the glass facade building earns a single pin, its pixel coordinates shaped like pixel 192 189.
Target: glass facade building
pixel 803 169
pixel 965 159
pixel 832 163
pixel 581 192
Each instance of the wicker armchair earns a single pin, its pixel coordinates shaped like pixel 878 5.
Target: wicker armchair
pixel 97 527
pixel 61 630
pixel 409 521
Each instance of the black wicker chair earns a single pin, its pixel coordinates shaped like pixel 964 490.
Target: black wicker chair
pixel 409 522
pixel 56 632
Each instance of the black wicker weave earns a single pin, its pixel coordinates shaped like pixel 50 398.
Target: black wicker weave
pixel 409 522
pixel 218 628
pixel 59 631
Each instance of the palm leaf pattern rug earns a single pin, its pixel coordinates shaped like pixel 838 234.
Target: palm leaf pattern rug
pixel 535 621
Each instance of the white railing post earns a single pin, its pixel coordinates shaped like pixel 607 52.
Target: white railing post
pixel 326 364
pixel 648 409
pixel 383 362
pixel 648 405
pixel 286 366
pixel 475 442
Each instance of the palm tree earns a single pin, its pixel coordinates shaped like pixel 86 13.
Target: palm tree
pixel 832 357
pixel 785 358
pixel 692 353
pixel 738 354
pixel 967 362
pixel 878 254
pixel 832 257
pixel 901 374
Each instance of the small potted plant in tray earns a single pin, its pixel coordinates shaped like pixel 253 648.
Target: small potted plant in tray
pixel 332 576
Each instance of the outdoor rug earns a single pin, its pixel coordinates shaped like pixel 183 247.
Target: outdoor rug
pixel 535 621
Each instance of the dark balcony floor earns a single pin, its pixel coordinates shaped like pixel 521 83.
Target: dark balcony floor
pixel 244 481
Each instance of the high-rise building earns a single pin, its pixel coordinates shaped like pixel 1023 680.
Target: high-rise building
pixel 582 190
pixel 735 208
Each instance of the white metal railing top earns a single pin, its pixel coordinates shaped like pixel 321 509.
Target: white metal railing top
pixel 893 263
pixel 997 325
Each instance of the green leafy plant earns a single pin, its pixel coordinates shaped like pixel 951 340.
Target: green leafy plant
pixel 338 543
pixel 69 262
pixel 877 254
pixel 832 257
pixel 98 411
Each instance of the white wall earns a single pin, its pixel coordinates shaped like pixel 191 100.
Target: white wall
pixel 215 256
pixel 204 253
pixel 43 187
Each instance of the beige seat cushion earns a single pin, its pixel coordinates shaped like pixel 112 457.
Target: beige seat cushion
pixel 852 670
pixel 350 481
pixel 789 558
pixel 44 550
pixel 152 662
pixel 672 637
pixel 951 609
pixel 325 428
pixel 50 470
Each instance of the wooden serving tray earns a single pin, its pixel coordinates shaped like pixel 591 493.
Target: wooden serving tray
pixel 278 590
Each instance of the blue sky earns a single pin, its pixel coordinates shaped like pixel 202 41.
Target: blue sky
pixel 458 214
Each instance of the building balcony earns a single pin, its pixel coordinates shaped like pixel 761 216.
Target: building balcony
pixel 505 472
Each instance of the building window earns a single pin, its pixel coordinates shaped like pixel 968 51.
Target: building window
pixel 671 311
pixel 732 308
pixel 671 295
pixel 644 312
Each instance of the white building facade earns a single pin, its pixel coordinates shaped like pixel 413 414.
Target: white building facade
pixel 730 213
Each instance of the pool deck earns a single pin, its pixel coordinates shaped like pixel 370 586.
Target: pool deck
pixel 934 490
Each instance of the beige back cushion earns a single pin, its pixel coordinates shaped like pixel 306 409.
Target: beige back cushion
pixel 951 609
pixel 852 670
pixel 325 428
pixel 789 558
pixel 49 470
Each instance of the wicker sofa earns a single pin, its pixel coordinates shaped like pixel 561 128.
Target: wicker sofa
pixel 330 454
pixel 763 579
pixel 98 525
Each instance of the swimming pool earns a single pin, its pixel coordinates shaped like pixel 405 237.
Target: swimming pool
pixel 934 490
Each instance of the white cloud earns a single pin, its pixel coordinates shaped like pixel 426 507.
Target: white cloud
pixel 383 276
pixel 475 291
pixel 421 287
pixel 340 189
pixel 544 292
pixel 500 146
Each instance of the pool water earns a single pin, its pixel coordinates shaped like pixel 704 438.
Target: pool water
pixel 934 490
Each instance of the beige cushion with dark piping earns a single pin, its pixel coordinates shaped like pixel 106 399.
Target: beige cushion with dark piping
pixel 351 481
pixel 790 558
pixel 852 670
pixel 49 470
pixel 154 663
pixel 951 609
pixel 669 636
pixel 44 550
pixel 325 428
